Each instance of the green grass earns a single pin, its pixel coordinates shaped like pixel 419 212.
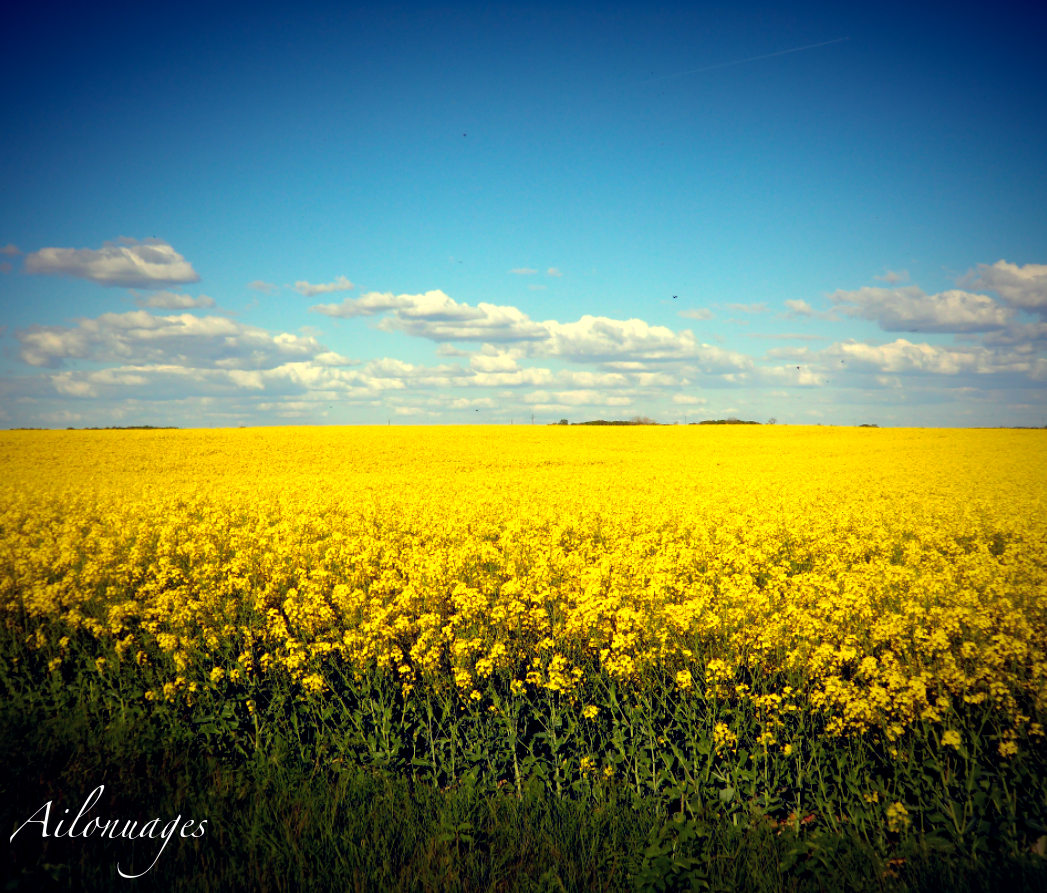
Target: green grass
pixel 362 790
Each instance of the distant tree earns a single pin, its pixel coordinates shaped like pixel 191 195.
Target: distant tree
pixel 563 422
pixel 772 421
pixel 642 420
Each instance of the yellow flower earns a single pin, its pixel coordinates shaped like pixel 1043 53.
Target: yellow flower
pixel 684 680
pixel 1008 748
pixel 897 817
pixel 723 737
pixel 952 739
pixel 590 711
pixel 314 683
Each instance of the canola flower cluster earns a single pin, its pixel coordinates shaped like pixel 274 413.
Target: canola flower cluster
pixel 874 578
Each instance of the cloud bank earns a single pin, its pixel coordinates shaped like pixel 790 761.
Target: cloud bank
pixel 340 284
pixel 126 263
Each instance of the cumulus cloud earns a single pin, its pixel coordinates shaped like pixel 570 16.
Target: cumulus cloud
pixel 171 381
pixel 910 309
pixel 599 338
pixel 437 317
pixel 552 271
pixel 10 250
pixel 749 308
pixel 523 271
pixel 449 350
pixel 127 263
pixel 577 398
pixel 308 290
pixel 1023 287
pixel 261 285
pixel 903 356
pixel 800 308
pixel 697 313
pixel 368 305
pixel 490 361
pixel 689 400
pixel 892 278
pixel 140 337
pixel 1027 334
pixel 167 300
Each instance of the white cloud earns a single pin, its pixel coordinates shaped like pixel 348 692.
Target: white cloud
pixel 448 350
pixel 536 287
pixel 129 263
pixel 368 305
pixel 435 316
pixel 689 400
pixel 600 338
pixel 902 356
pixel 800 308
pixel 65 384
pixel 491 360
pixel 749 308
pixel 523 271
pixel 10 250
pixel 910 309
pixel 698 313
pixel 626 366
pixel 1024 287
pixel 414 411
pixel 261 285
pixel 140 337
pixel 892 278
pixel 439 318
pixel 166 300
pixel 340 284
pixel 576 398
pixel 1018 333
pixel 552 271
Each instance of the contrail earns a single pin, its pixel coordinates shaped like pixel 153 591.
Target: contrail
pixel 740 61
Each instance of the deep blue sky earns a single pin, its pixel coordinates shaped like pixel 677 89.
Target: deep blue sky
pixel 176 183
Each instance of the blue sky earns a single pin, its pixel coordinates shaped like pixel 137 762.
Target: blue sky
pixel 468 214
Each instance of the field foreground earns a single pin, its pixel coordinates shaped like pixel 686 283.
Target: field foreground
pixel 816 634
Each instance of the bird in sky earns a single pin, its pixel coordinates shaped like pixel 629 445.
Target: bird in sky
pixel 674 297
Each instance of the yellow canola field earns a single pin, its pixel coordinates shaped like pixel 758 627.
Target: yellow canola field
pixel 876 577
